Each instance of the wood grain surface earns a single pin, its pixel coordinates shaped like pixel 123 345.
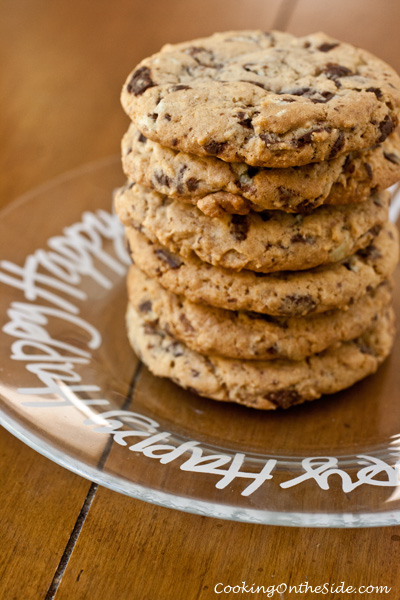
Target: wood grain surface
pixel 63 64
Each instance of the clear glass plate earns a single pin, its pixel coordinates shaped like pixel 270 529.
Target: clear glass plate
pixel 72 389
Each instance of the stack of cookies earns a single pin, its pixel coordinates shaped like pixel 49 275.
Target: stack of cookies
pixel 256 215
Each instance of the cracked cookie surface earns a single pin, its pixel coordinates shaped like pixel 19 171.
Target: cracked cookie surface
pixel 266 99
pixel 251 336
pixel 261 384
pixel 216 186
pixel 283 293
pixel 264 242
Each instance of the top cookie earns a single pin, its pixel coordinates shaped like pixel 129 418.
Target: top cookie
pixel 266 99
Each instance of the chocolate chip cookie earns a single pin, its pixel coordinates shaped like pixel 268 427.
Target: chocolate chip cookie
pixel 266 99
pixel 246 335
pixel 261 384
pixel 217 187
pixel 282 294
pixel 265 242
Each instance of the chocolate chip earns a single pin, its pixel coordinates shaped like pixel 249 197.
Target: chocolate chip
pixel 162 179
pixel 140 81
pixel 153 116
pixel 194 372
pixel 391 157
pixel 298 304
pixel 239 227
pixel 171 259
pixel 192 184
pixel 177 88
pixel 174 142
pixel 284 398
pixel 167 116
pixel 385 127
pixel 214 147
pixel 244 121
pixel 368 168
pixel 142 139
pixel 326 47
pixel 376 91
pixel 337 146
pixel 145 306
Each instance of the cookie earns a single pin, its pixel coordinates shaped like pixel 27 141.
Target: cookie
pixel 262 384
pixel 217 187
pixel 283 294
pixel 264 242
pixel 266 99
pixel 251 336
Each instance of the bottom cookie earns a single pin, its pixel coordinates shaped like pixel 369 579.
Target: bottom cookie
pixel 261 384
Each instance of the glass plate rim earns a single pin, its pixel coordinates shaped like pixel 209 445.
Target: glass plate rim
pixel 164 499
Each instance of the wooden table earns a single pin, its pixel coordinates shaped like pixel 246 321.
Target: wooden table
pixel 62 537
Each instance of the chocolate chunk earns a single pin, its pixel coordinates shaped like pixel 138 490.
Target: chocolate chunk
pixel 140 81
pixel 284 398
pixel 268 139
pixel 298 304
pixel 391 157
pixel 244 121
pixel 239 227
pixel 376 91
pixel 192 184
pixel 337 146
pixel 145 306
pixel 368 168
pixel 142 139
pixel 162 179
pixel 326 96
pixel 385 127
pixel 304 91
pixel 171 259
pixel 369 253
pixel 214 147
pixel 177 88
pixel 326 47
pixel 304 139
pixel 333 70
